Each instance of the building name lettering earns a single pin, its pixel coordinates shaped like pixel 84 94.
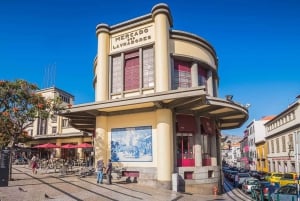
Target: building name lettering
pixel 132 38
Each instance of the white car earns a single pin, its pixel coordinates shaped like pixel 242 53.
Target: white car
pixel 249 183
pixel 242 177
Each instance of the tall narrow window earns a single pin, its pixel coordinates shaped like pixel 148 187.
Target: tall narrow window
pixel 283 144
pixel 148 68
pixel 132 71
pixel 277 145
pixel 182 71
pixel 116 84
pixel 42 127
pixel 202 76
pixel 291 142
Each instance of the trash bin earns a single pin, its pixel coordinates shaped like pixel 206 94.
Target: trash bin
pixel 175 182
pixel 4 167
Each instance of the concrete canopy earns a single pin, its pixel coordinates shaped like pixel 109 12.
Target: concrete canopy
pixel 228 114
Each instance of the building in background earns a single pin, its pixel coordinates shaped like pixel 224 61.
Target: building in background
pixel 245 163
pixel 157 112
pixel 281 135
pixel 231 150
pixel 58 130
pixel 256 137
pixel 260 143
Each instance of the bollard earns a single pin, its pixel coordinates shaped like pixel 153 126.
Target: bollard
pixel 215 190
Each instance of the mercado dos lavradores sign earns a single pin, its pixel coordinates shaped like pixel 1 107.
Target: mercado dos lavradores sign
pixel 131 144
pixel 132 38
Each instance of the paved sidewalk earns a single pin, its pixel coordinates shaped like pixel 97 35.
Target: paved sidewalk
pixel 52 186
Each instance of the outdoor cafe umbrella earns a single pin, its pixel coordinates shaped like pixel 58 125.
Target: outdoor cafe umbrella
pixel 47 146
pixel 84 145
pixel 68 146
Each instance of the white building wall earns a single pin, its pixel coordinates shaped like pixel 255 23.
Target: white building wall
pixel 280 136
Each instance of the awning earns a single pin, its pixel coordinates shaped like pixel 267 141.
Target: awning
pixel 193 101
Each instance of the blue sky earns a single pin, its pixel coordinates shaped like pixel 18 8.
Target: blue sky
pixel 53 42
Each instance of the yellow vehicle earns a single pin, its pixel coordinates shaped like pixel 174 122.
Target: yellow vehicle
pixel 288 178
pixel 275 177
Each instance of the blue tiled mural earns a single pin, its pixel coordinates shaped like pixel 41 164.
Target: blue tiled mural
pixel 132 144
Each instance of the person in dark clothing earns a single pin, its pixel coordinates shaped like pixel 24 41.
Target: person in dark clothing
pixel 100 167
pixel 108 171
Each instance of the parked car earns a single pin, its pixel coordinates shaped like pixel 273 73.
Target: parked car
pixel 232 175
pixel 249 183
pixel 285 193
pixel 260 175
pixel 288 178
pixel 261 192
pixel 242 177
pixel 253 173
pixel 275 177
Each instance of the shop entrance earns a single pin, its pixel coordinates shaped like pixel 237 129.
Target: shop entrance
pixel 185 150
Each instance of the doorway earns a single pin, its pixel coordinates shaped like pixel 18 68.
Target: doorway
pixel 185 150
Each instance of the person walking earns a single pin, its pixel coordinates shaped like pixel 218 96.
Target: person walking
pixel 100 167
pixel 34 164
pixel 236 180
pixel 108 171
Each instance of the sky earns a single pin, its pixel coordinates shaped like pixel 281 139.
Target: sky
pixel 53 43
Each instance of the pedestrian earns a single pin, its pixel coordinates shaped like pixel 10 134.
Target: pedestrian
pixel 236 180
pixel 34 164
pixel 108 171
pixel 100 167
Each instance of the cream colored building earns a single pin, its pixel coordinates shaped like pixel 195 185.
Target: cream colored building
pixel 157 112
pixel 281 135
pixel 57 129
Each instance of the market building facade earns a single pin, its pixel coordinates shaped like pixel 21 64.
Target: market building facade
pixel 157 112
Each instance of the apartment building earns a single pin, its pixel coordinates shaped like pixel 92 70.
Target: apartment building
pixel 257 152
pixel 281 134
pixel 245 162
pixel 260 143
pixel 58 130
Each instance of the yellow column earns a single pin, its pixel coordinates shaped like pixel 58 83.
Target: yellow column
pixel 162 23
pixel 101 140
pixel 58 151
pixel 101 71
pixel 164 145
pixel 80 150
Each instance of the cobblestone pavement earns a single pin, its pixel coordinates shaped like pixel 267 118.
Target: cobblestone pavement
pixel 55 187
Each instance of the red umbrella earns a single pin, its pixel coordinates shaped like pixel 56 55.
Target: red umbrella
pixel 47 146
pixel 69 146
pixel 84 145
